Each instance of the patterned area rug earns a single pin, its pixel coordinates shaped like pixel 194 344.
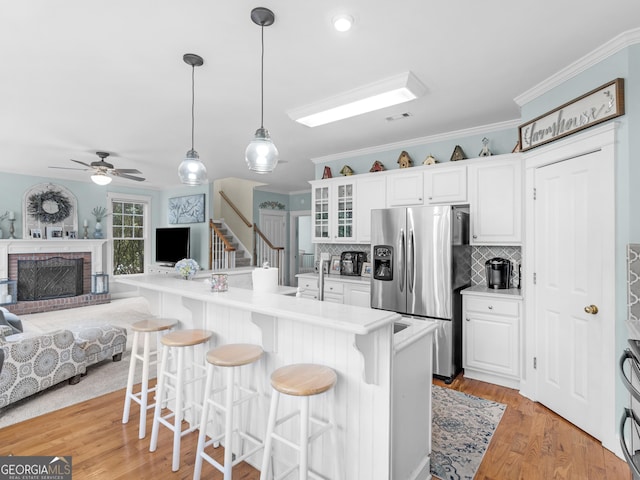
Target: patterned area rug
pixel 462 429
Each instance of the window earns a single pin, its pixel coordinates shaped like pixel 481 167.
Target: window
pixel 129 234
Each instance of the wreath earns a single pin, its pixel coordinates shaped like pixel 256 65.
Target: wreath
pixel 49 207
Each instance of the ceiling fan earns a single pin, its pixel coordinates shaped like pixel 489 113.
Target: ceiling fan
pixel 103 170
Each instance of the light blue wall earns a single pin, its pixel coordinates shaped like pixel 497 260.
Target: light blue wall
pixel 624 64
pixel 199 231
pixel 300 201
pixel 501 141
pixel 88 195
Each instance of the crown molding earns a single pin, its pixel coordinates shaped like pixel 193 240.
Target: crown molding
pixel 420 141
pixel 622 41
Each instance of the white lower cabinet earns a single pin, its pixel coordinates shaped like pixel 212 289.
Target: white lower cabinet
pixel 491 339
pixel 357 294
pixel 337 290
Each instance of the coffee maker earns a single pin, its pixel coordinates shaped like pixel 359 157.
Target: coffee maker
pixel 351 263
pixel 498 273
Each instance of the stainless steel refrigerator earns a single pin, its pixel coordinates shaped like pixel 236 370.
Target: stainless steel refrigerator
pixel 421 261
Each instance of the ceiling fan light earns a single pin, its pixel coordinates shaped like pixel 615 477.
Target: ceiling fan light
pixel 101 178
pixel 191 170
pixel 261 154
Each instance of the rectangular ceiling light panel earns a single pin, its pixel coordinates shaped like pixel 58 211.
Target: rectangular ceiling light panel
pixel 375 96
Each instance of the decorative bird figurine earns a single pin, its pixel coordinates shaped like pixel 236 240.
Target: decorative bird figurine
pixel 327 172
pixel 346 170
pixel 404 160
pixel 485 152
pixel 377 166
pixel 458 154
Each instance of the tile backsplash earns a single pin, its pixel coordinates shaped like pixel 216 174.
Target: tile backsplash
pixel 479 255
pixel 633 281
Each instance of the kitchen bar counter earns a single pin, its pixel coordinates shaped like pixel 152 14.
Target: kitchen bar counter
pixel 356 342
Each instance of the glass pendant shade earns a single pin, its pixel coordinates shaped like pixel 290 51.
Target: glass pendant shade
pixel 101 178
pixel 192 171
pixel 261 154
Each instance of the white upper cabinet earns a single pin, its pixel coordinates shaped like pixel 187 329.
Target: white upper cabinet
pixel 333 209
pixel 371 195
pixel 405 188
pixel 445 185
pixel 495 197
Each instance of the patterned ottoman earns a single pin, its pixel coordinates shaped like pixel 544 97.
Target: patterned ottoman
pixel 100 342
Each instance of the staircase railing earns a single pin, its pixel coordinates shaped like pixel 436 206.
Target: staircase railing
pixel 222 254
pixel 263 249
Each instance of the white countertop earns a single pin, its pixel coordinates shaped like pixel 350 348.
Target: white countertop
pixel 332 277
pixel 347 318
pixel 483 290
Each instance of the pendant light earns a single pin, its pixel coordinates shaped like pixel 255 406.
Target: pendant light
pixel 192 171
pixel 261 154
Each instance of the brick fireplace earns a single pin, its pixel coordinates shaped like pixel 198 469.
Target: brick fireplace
pixel 89 252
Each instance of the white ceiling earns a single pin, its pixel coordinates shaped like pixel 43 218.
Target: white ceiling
pixel 86 75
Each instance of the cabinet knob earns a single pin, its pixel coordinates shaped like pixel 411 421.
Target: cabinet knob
pixel 430 198
pixel 490 307
pixel 468 320
pixel 475 236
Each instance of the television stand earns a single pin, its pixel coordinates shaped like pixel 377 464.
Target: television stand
pixel 165 268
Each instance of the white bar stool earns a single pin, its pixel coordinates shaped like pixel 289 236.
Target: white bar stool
pixel 229 357
pixel 146 328
pixel 302 380
pixel 179 340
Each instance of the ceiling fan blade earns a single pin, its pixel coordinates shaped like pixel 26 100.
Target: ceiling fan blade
pixel 81 163
pixel 127 170
pixel 124 175
pixel 72 168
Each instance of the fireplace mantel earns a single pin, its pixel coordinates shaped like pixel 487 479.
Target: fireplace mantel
pixel 94 246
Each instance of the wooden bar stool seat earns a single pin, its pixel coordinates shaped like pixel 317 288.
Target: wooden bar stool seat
pixel 182 375
pixel 303 381
pixel 230 358
pixel 145 328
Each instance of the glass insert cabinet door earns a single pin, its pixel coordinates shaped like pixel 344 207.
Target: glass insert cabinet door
pixel 321 212
pixel 344 198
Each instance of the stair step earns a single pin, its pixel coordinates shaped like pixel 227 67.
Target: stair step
pixel 243 262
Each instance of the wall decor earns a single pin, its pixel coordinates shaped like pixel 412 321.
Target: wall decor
pixel 36 233
pixel 326 173
pixel 598 105
pixel 377 166
pixel 272 204
pixel 346 171
pixel 187 209
pixel 430 160
pixel 335 264
pixel 47 204
pixel 404 160
pixel 485 152
pixel 458 154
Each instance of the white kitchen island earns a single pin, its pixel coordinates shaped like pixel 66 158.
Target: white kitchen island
pixel 357 342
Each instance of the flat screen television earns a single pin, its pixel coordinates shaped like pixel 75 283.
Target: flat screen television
pixel 172 244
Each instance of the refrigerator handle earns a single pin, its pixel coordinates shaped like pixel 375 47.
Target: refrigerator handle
pixel 411 261
pixel 402 260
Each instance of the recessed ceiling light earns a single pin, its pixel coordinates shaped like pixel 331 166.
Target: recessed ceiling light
pixel 342 23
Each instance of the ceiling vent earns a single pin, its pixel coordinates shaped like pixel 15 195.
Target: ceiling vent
pixel 400 116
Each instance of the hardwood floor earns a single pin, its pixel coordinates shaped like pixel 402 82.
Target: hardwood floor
pixel 530 443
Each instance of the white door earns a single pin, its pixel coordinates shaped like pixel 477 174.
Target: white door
pixel 571 200
pixel 273 224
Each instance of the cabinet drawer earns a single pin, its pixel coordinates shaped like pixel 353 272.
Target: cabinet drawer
pixel 333 287
pixel 491 305
pixel 308 284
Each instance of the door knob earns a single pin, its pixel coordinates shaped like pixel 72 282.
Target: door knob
pixel 592 309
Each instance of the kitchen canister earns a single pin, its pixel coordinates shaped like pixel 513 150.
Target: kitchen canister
pixel 219 282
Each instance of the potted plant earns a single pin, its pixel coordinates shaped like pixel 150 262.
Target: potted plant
pixel 99 212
